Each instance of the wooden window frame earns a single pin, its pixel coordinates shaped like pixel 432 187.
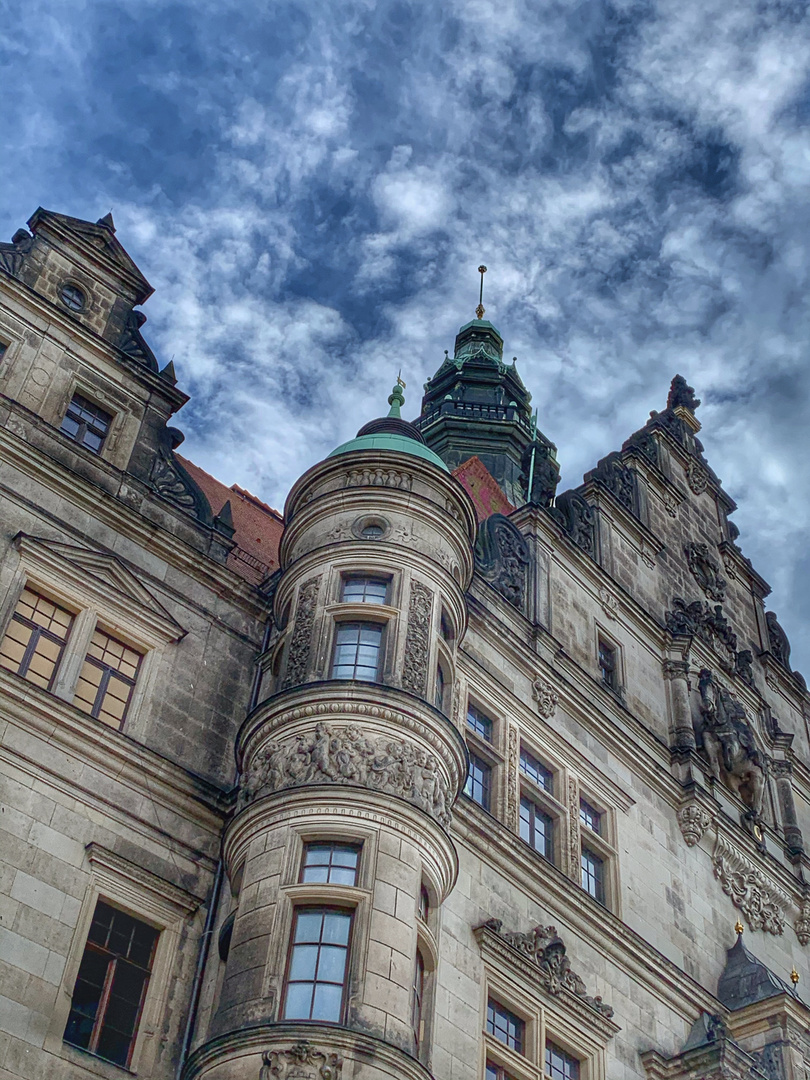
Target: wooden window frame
pixel 488 787
pixel 322 909
pixel 108 672
pixel 355 621
pixel 538 810
pixel 333 845
pixel 38 632
pixel 367 578
pixel 85 426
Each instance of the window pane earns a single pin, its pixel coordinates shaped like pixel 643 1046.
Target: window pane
pixel 535 770
pixel 365 590
pixel 35 639
pixel 478 781
pixel 298 1005
pixel 590 816
pixel 327 1003
pixel 479 723
pixel 357 651
pixel 593 875
pixel 559 1065
pixel 108 677
pixel 536 828
pixel 505 1026
pixel 317 970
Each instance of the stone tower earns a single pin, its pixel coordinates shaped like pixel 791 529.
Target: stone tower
pixel 350 766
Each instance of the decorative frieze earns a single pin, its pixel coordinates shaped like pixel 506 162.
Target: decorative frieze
pixel 346 755
pixel 387 478
pixel 574 836
pixel 303 1061
pixel 512 785
pixel 417 640
pixel 546 697
pixel 761 901
pixel 301 643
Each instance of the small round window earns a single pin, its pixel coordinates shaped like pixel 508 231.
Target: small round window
pixel 371 528
pixel 371 532
pixel 72 297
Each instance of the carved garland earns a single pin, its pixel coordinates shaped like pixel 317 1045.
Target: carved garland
pixel 762 902
pixel 301 644
pixel 417 641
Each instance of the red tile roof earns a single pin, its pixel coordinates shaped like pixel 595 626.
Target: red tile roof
pixel 482 488
pixel 258 527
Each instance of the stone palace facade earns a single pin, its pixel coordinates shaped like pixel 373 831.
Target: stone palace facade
pixel 443 774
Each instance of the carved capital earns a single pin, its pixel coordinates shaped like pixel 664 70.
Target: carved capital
pixel 546 697
pixel 675 669
pixel 302 1061
pixel 761 901
pixel 694 820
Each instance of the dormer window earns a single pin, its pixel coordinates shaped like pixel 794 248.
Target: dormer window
pixel 86 423
pixel 72 297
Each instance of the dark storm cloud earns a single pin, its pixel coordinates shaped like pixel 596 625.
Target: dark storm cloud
pixel 310 187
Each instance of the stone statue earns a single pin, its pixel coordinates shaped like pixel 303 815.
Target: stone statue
pixel 729 742
pixel 778 643
pixel 681 394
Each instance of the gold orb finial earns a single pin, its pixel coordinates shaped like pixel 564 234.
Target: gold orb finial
pixel 479 311
pixel 794 976
pixel 738 927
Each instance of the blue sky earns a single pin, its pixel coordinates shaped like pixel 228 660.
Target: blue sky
pixel 310 187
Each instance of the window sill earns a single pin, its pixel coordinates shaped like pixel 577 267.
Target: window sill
pixel 91 1062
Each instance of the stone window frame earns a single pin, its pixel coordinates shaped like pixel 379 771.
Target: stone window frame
pixel 150 899
pixel 603 844
pixel 95 395
pixel 95 603
pixel 601 634
pixel 337 610
pixel 489 751
pixel 546 800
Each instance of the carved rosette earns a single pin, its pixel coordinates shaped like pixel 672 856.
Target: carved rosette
pixel 417 641
pixel 301 643
pixel 302 1061
pixel 348 755
pixel 694 820
pixel 761 901
pixel 546 697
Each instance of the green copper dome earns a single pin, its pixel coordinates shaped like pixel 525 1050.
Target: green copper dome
pixel 392 433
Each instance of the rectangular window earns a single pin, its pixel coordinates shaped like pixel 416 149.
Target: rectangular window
pixel 316 978
pixel 505 1026
pixel 333 864
pixel 86 423
pixel 364 590
pixel 357 651
pixel 418 992
pixel 607 664
pixel 424 903
pixel 479 722
pixel 479 781
pixel 537 828
pixel 35 639
pixel 559 1065
pixel 535 770
pixel 496 1072
pixel 107 679
pixel 593 876
pixel 111 985
pixel 439 688
pixel 590 817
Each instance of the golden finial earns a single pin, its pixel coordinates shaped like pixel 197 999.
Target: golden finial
pixel 479 311
pixel 794 976
pixel 400 381
pixel 738 927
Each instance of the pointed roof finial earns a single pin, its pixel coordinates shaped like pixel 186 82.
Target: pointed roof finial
pixel 397 398
pixel 794 976
pixel 479 311
pixel 738 928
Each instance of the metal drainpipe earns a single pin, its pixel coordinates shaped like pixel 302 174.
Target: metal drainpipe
pixel 205 940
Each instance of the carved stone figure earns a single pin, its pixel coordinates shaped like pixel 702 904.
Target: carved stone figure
pixel 577 518
pixel 778 643
pixel 706 570
pixel 301 1062
pixel 345 755
pixel 301 643
pixel 684 619
pixel 742 666
pixel 681 394
pixel 729 742
pixel 417 641
pixel 379 477
pixel 538 463
pixel 706 622
pixel 502 557
pixel 546 949
pixel 618 479
pixel 697 478
pixel 13 255
pixel 546 697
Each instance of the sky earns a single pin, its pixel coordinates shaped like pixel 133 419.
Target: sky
pixel 310 188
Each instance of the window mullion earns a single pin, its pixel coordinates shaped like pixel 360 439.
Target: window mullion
pixel 103 1003
pixel 78 644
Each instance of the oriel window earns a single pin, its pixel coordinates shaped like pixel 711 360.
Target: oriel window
pixel 86 423
pixel 107 679
pixel 316 974
pixel 35 639
pixel 357 651
pixel 111 985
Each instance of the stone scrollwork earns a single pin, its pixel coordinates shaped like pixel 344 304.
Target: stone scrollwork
pixel 706 570
pixel 502 558
pixel 546 697
pixel 694 820
pixel 301 643
pixel 345 755
pixel 778 643
pixel 302 1061
pixel 761 901
pixel 417 641
pixel 577 517
pixel 546 950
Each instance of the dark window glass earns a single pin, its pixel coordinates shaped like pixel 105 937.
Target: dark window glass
pixel 589 816
pixel 424 903
pixel 593 880
pixel 416 1001
pixel 72 297
pixel 479 778
pixel 439 688
pixel 107 679
pixel 111 985
pixel 607 664
pixel 559 1065
pixel 371 532
pixel 357 651
pixel 316 977
pixel 505 1026
pixel 446 627
pixel 335 864
pixel 86 423
pixel 537 828
pixel 496 1072
pixel 3 348
pixel 535 770
pixel 364 590
pixel 35 639
pixel 479 722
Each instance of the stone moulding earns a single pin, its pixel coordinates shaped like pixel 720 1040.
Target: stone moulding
pixel 545 950
pixel 761 901
pixel 346 755
pixel 301 1061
